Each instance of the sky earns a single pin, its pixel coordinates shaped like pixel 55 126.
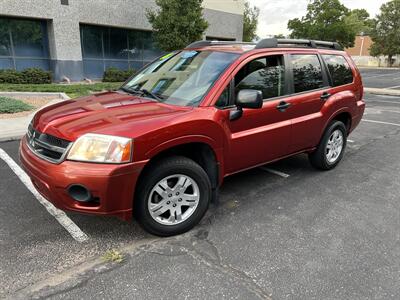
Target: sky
pixel 275 14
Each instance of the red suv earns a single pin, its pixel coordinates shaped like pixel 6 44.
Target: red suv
pixel 161 145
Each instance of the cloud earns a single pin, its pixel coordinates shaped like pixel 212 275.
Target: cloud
pixel 275 14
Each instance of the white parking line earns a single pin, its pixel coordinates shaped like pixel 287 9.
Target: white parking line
pixel 60 216
pixel 380 122
pixel 279 173
pixel 380 75
pixel 393 87
pixel 350 141
pixel 383 101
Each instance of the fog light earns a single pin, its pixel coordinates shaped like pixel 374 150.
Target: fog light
pixel 79 193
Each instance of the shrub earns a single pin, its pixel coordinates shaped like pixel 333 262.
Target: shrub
pixel 117 75
pixel 36 76
pixel 10 76
pixel 27 76
pixel 10 106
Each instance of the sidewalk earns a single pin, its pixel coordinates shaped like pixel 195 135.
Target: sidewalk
pixel 15 128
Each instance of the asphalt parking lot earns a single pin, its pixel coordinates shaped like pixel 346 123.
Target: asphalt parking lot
pixel 381 78
pixel 287 231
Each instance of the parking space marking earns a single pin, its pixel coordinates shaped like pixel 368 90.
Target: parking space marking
pixel 381 122
pixel 60 216
pixel 384 101
pixel 380 75
pixel 350 141
pixel 279 173
pixel 393 87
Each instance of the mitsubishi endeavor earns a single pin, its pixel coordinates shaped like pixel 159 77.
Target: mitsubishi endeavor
pixel 159 147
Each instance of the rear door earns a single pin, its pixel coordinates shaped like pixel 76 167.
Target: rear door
pixel 309 91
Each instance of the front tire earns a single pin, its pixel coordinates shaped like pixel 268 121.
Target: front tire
pixel 331 148
pixel 172 197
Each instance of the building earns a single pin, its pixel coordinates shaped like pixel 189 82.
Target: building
pixel 362 57
pixel 79 39
pixel 361 46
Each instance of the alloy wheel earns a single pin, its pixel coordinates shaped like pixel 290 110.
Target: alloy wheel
pixel 334 146
pixel 173 199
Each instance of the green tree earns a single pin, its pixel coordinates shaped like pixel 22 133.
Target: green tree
pixel 250 22
pixel 279 36
pixel 325 20
pixel 177 23
pixel 386 31
pixel 359 20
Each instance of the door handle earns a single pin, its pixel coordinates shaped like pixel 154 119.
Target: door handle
pixel 325 96
pixel 282 106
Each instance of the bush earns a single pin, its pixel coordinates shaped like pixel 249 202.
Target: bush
pixel 10 106
pixel 117 75
pixel 27 76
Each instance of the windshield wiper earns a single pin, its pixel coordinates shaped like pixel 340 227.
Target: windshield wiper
pixel 143 92
pixel 130 91
pixel 152 95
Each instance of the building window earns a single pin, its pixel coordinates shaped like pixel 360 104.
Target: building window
pixel 23 44
pixel 104 47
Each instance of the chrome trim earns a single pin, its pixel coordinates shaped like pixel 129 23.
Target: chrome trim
pixel 49 147
pixel 46 158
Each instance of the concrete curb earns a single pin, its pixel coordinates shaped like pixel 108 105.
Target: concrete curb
pixel 387 92
pixel 16 134
pixel 47 94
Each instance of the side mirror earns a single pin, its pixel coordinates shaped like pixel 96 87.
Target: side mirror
pixel 246 99
pixel 249 99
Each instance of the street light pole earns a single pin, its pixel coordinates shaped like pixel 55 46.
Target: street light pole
pixel 362 43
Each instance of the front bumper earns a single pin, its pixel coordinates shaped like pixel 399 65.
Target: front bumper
pixel 112 185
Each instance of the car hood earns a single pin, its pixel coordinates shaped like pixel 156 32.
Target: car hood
pixel 107 113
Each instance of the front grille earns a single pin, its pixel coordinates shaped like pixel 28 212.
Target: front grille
pixel 47 146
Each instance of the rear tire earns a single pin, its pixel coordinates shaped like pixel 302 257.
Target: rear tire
pixel 172 197
pixel 331 148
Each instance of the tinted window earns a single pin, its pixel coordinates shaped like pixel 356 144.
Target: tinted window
pixel 266 74
pixel 307 73
pixel 339 69
pixel 223 100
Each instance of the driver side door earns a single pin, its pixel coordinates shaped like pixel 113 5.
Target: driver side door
pixel 264 134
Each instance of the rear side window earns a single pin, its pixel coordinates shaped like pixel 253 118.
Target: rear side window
pixel 307 72
pixel 339 69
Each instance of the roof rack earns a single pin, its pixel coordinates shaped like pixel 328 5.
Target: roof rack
pixel 271 43
pixel 200 44
pixel 275 43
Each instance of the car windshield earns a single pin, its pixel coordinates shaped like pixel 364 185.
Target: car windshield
pixel 180 78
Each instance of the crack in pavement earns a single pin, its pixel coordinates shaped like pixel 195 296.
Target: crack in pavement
pixel 194 244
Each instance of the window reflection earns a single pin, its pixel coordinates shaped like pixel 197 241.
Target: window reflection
pixel 266 75
pixel 104 47
pixel 182 78
pixel 23 44
pixel 339 69
pixel 307 72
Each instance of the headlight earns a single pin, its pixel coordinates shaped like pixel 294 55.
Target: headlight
pixel 101 148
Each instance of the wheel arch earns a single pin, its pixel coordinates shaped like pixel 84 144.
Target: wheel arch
pixel 201 151
pixel 342 115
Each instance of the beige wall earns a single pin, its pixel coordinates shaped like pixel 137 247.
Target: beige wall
pixel 230 6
